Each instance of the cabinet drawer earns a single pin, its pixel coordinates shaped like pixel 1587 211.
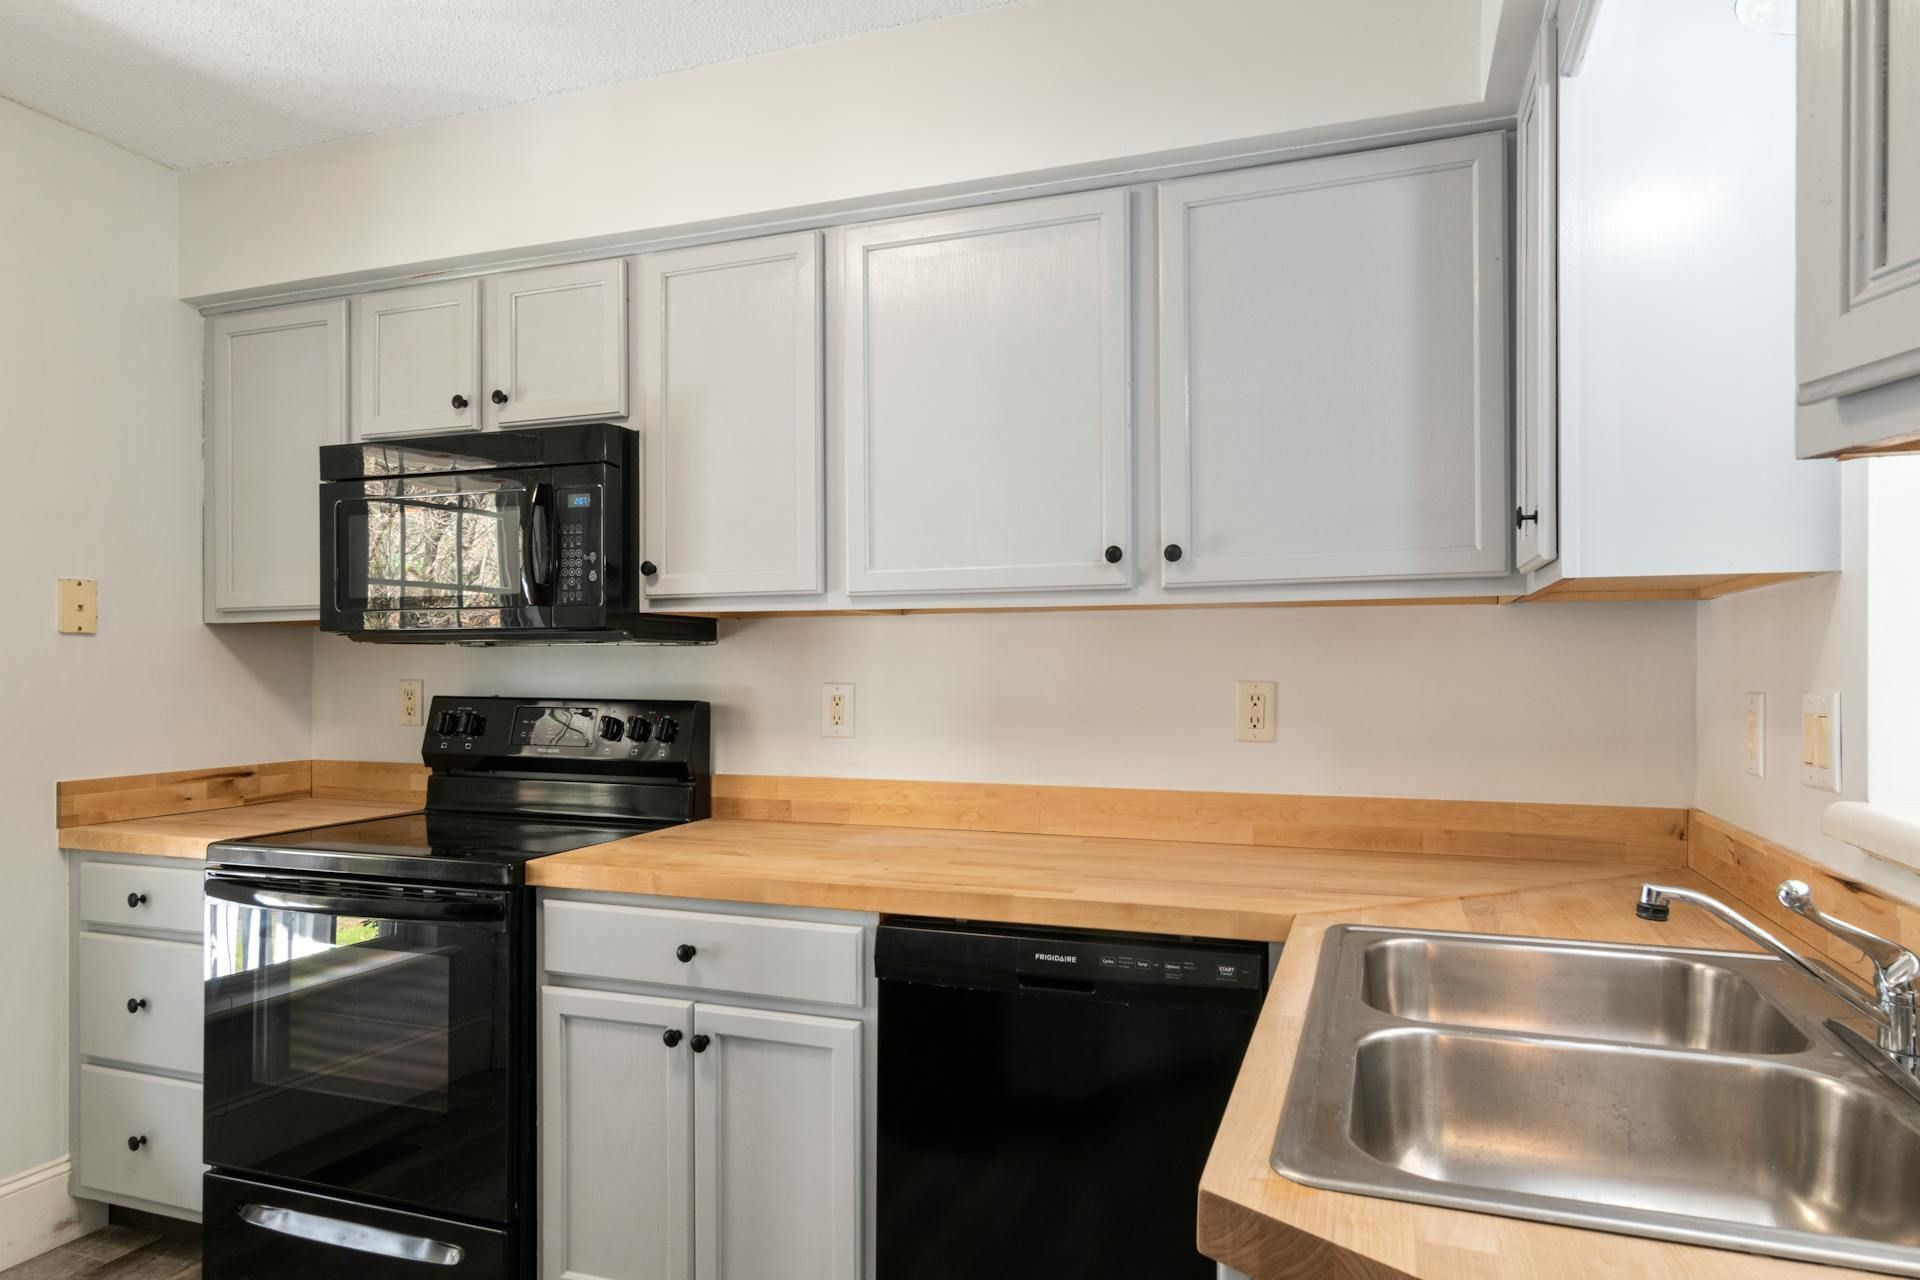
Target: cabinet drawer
pixel 138 896
pixel 785 959
pixel 164 1032
pixel 116 1106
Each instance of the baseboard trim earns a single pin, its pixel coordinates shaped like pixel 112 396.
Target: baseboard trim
pixel 37 1214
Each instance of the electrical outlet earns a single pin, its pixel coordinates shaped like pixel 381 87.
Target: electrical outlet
pixel 836 711
pixel 1253 710
pixel 1820 740
pixel 1757 734
pixel 413 702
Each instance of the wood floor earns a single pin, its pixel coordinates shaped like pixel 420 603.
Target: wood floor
pixel 116 1253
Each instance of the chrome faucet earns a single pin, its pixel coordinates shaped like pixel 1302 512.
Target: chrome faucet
pixel 1890 1005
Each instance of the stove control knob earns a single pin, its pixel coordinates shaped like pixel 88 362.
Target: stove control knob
pixel 668 730
pixel 445 723
pixel 611 729
pixel 467 724
pixel 638 729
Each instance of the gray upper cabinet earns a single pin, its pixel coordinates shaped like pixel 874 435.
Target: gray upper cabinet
pixel 616 1116
pixel 555 340
pixel 277 390
pixel 1536 354
pixel 777 1146
pixel 1333 380
pixel 416 360
pixel 730 369
pixel 1858 331
pixel 983 363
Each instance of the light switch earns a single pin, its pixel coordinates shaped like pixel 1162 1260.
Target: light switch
pixel 79 606
pixel 1820 740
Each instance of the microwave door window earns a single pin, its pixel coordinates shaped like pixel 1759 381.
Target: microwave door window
pixel 446 553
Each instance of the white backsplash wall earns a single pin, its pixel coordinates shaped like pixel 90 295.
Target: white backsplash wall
pixel 101 425
pixel 1578 703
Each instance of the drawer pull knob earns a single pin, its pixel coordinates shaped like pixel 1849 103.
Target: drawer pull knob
pixel 685 952
pixel 135 1005
pixel 134 1144
pixel 670 1037
pixel 499 396
pixel 699 1044
pixel 136 900
pixel 459 402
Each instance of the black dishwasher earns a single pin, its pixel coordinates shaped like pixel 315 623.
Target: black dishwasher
pixel 1048 1097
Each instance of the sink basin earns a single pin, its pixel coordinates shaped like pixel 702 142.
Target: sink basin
pixel 1680 1094
pixel 1640 997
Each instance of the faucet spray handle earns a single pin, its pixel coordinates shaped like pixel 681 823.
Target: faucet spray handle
pixel 1893 964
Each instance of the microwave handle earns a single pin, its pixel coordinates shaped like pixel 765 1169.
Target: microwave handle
pixel 271 897
pixel 539 558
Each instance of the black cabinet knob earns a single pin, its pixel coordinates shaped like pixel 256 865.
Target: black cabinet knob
pixel 459 402
pixel 136 899
pixel 670 1037
pixel 699 1044
pixel 134 1144
pixel 1113 555
pixel 499 396
pixel 1173 552
pixel 1523 517
pixel 648 568
pixel 135 1005
pixel 685 952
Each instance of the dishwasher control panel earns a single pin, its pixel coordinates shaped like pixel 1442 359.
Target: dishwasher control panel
pixel 1140 962
pixel 997 956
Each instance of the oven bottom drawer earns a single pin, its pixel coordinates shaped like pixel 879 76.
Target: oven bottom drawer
pixel 254 1230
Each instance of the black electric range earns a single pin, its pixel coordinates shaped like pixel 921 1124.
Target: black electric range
pixel 370 1038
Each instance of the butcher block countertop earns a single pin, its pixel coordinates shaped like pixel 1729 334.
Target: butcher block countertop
pixel 1149 886
pixel 1254 1220
pixel 187 835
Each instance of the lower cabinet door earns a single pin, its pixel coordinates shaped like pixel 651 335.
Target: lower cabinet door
pixel 140 1136
pixel 777 1146
pixel 615 1157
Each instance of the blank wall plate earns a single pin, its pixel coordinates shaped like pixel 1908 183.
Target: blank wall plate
pixel 1253 710
pixel 1757 734
pixel 1820 740
pixel 79 606
pixel 836 711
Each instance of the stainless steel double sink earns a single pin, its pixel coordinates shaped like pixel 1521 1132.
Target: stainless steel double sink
pixel 1681 1094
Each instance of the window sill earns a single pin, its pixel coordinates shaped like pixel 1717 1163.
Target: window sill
pixel 1890 832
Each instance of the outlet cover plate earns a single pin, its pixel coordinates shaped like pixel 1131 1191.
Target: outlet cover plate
pixel 1757 734
pixel 836 711
pixel 1253 710
pixel 79 606
pixel 1820 740
pixel 413 703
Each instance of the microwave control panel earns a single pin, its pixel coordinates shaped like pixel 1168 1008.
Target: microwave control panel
pixel 582 550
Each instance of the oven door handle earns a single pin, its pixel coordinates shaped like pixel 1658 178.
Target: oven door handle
pixel 253 893
pixel 351 1235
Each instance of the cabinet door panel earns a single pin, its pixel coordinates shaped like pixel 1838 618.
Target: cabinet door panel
pixel 277 391
pixel 1333 368
pixel 415 351
pixel 615 1138
pixel 985 382
pixel 1536 386
pixel 777 1146
pixel 730 369
pixel 556 343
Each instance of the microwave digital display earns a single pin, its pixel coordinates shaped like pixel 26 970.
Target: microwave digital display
pixel 579 499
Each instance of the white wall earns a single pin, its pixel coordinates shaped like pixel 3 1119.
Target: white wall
pixel 1572 703
pixel 1025 88
pixel 100 425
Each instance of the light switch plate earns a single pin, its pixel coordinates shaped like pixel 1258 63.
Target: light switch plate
pixel 1820 740
pixel 1757 734
pixel 79 606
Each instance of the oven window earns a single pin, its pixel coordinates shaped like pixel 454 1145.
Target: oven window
pixel 360 1053
pixel 436 552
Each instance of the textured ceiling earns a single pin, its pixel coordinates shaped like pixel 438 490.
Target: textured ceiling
pixel 200 82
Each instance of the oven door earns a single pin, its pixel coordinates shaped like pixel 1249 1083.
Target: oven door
pixel 361 1038
pixel 456 552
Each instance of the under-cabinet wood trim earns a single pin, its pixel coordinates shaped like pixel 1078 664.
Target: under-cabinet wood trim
pixel 1693 586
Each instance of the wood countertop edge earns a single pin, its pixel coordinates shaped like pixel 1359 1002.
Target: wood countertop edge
pixel 186 836
pixel 1271 1228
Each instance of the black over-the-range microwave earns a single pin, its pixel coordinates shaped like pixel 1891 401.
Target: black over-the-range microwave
pixel 490 538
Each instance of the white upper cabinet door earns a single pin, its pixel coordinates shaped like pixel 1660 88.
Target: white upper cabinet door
pixel 1333 380
pixel 731 408
pixel 777 1146
pixel 984 377
pixel 616 1157
pixel 416 360
pixel 277 391
pixel 1536 356
pixel 556 344
pixel 1859 204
